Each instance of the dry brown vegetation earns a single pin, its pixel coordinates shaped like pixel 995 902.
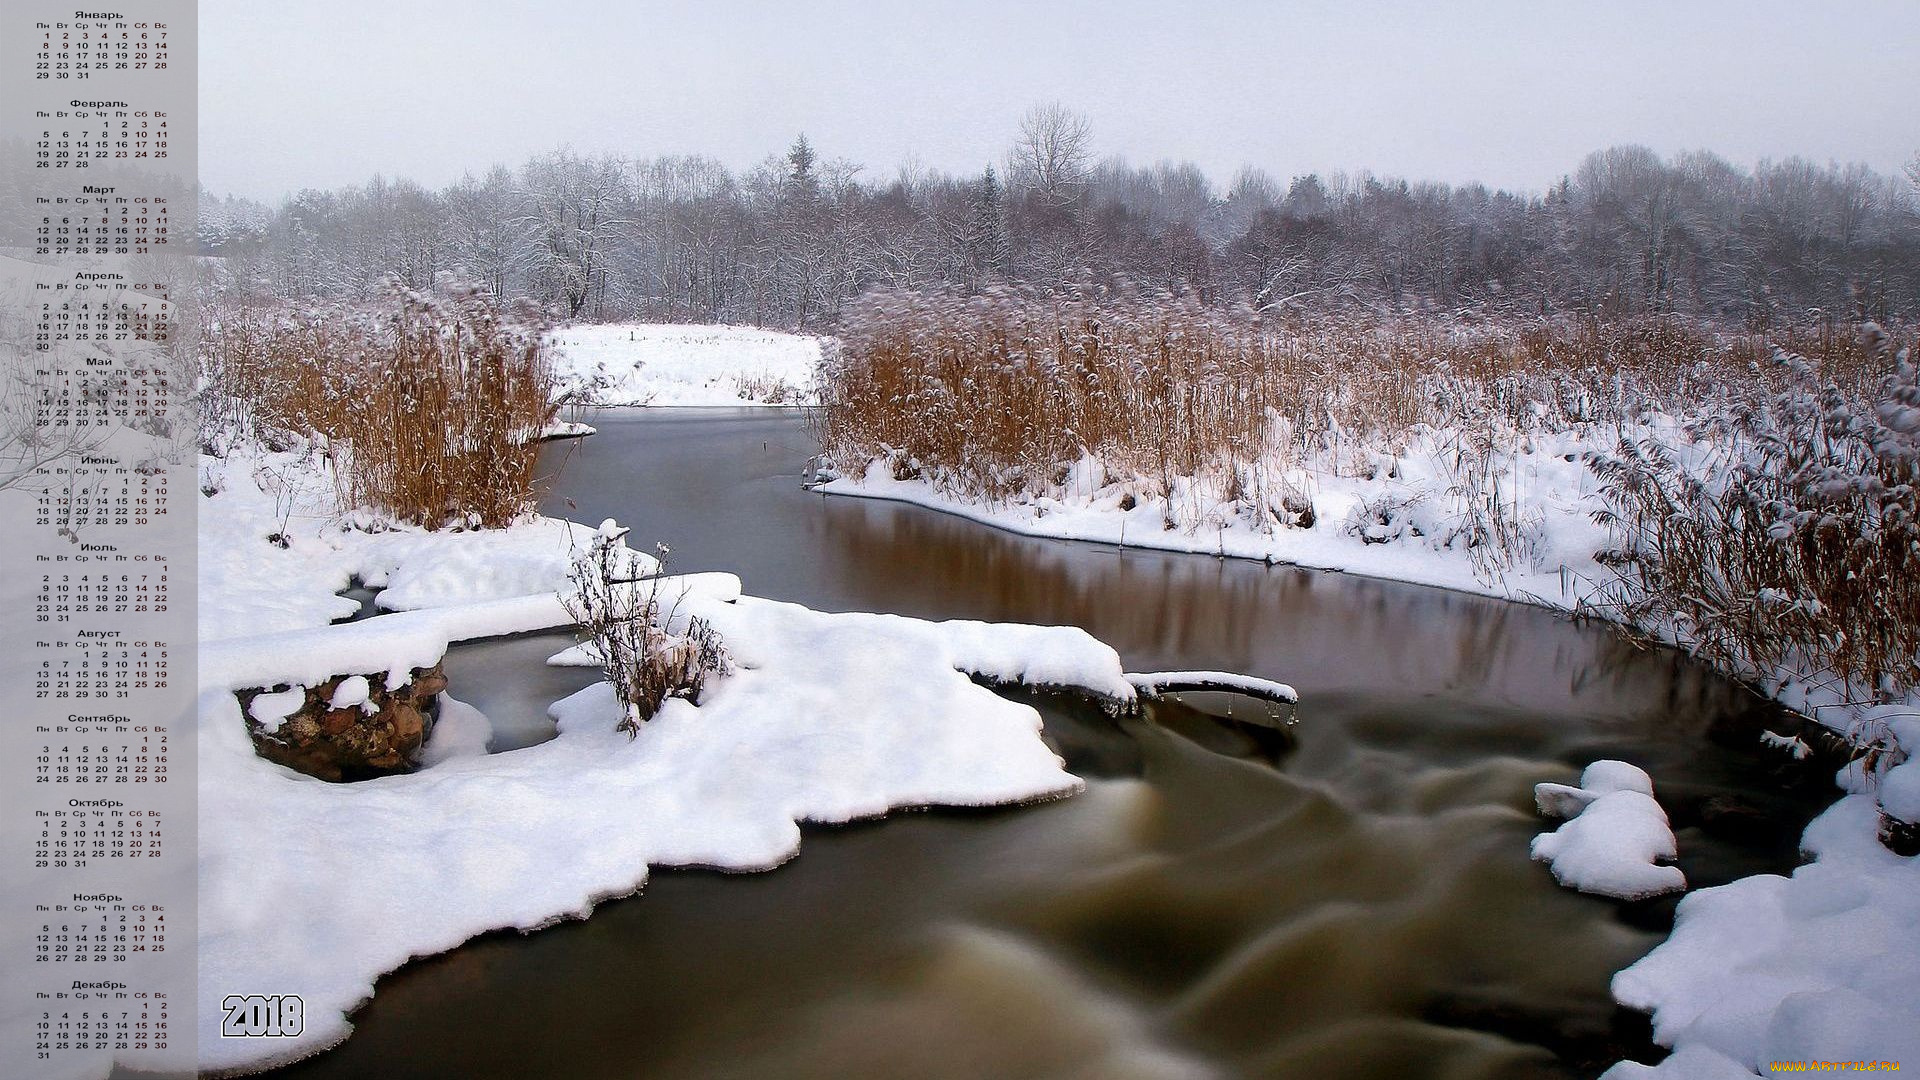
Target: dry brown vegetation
pixel 431 406
pixel 993 389
pixel 1794 546
pixel 1767 521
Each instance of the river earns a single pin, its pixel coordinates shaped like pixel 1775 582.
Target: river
pixel 1350 897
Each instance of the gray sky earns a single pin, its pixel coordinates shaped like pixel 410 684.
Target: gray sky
pixel 305 93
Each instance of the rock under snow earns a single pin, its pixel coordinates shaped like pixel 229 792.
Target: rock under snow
pixel 461 731
pixel 353 692
pixel 1900 791
pixel 348 727
pixel 271 710
pixel 1563 801
pixel 1606 776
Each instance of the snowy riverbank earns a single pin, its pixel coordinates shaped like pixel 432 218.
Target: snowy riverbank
pixel 1402 523
pixel 1825 956
pixel 318 889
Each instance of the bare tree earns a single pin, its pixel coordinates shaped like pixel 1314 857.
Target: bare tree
pixel 1051 156
pixel 490 243
pixel 788 242
pixel 1911 202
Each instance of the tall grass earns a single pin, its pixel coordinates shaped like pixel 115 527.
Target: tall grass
pixel 1782 536
pixel 995 390
pixel 432 405
pixel 1762 498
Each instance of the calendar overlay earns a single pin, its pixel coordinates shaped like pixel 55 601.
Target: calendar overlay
pixel 97 556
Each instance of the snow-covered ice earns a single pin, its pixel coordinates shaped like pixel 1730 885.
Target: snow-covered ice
pixel 1615 838
pixel 1156 682
pixel 1690 1062
pixel 567 429
pixel 656 364
pixel 250 587
pixel 1794 745
pixel 1099 504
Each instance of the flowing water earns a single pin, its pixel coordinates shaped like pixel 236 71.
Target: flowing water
pixel 1350 897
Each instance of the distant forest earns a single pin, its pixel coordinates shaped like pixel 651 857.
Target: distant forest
pixel 789 242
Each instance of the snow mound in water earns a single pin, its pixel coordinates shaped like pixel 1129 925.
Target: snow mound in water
pixel 460 731
pixel 1616 838
pixel 1687 1063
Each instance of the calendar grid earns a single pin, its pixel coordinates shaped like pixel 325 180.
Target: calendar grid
pixel 97 540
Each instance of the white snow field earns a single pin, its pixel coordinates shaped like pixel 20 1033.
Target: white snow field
pixel 317 889
pixel 656 364
pixel 1614 837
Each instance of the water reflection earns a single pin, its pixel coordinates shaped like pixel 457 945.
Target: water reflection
pixel 1349 897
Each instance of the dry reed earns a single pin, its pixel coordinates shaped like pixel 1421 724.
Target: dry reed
pixel 432 406
pixel 996 390
pixel 1775 530
pixel 1781 539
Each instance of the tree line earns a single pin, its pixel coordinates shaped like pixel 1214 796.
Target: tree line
pixel 789 242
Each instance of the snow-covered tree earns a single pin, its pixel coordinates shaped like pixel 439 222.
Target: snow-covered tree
pixel 570 205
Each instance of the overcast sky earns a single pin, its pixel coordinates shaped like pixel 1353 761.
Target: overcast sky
pixel 319 93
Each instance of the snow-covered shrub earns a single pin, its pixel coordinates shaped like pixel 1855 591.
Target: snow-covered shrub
pixel 646 649
pixel 1266 498
pixel 431 405
pixel 1778 539
pixel 771 390
pixel 1384 518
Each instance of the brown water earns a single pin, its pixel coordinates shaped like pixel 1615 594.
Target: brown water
pixel 1349 898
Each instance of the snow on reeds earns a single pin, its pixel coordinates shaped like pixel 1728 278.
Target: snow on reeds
pixel 1780 535
pixel 998 387
pixel 1760 493
pixel 431 405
